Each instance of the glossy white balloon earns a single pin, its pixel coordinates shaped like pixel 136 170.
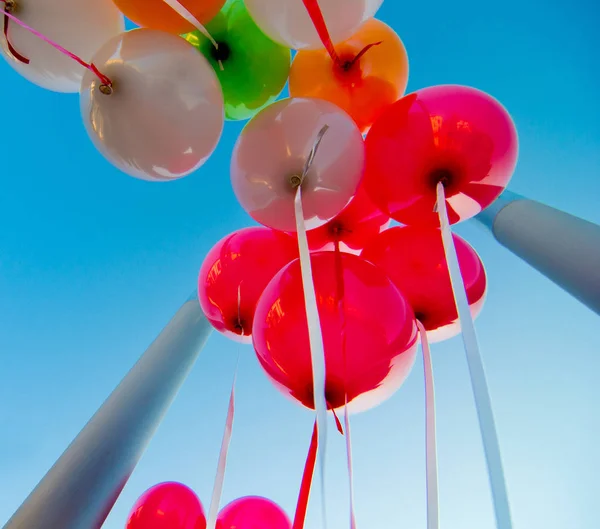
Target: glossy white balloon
pixel 80 26
pixel 288 22
pixel 165 115
pixel 274 147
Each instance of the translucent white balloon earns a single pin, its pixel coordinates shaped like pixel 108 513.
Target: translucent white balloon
pixel 165 115
pixel 271 153
pixel 288 22
pixel 80 26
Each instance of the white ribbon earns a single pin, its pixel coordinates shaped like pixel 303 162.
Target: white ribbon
pixel 481 393
pixel 430 435
pixel 349 459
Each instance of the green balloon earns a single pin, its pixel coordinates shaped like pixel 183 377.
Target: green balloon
pixel 255 69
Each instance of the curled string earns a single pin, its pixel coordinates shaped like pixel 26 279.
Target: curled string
pixel 487 425
pixel 8 8
pixel 215 501
pixel 430 435
pixel 90 66
pixel 317 349
pixel 182 11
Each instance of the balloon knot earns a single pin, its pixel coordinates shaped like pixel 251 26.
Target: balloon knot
pixel 106 89
pixel 10 6
pixel 295 181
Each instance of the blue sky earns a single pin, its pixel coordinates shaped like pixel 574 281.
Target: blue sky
pixel 93 264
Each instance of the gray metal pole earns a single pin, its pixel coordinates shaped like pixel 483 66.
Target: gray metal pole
pixel 81 488
pixel 566 249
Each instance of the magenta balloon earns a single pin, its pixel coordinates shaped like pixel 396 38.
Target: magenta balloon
pixel 253 512
pixel 274 146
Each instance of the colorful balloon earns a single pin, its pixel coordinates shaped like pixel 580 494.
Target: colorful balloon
pixel 272 150
pixel 253 512
pixel 255 69
pixel 156 14
pixel 369 332
pixel 167 506
pixel 288 22
pixel 241 264
pixel 352 229
pixel 413 258
pixel 452 134
pixel 165 115
pixel 366 84
pixel 80 26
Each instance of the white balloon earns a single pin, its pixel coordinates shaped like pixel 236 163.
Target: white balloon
pixel 79 26
pixel 288 22
pixel 165 115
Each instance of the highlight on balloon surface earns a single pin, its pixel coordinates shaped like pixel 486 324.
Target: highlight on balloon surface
pixel 253 512
pixel 157 14
pixel 289 22
pixel 79 26
pixel 413 257
pixel 168 505
pixel 270 154
pixel 349 231
pixel 456 135
pixel 369 73
pixel 234 274
pixel 370 346
pixel 251 68
pixel 164 115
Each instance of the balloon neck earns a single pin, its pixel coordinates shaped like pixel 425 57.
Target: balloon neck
pixel 106 89
pixel 441 176
pixel 221 52
pixel 295 181
pixel 10 6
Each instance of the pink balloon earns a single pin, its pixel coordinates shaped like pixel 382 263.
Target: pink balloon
pixel 253 512
pixel 274 146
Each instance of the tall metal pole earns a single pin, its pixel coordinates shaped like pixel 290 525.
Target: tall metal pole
pixel 81 488
pixel 566 249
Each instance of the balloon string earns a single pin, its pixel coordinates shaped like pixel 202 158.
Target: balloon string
pixel 348 65
pixel 307 477
pixel 8 7
pixel 222 464
pixel 317 348
pixel 349 462
pixel 182 11
pixel 481 394
pixel 106 82
pixel 430 436
pixel 316 15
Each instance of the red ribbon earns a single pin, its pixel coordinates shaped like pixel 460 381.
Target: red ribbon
pixel 307 477
pixel 314 11
pixel 11 49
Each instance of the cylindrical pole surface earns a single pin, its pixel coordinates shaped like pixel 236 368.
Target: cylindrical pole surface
pixel 565 248
pixel 81 488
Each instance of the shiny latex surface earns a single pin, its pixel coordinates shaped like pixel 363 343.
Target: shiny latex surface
pixel 275 145
pixel 454 134
pixel 244 262
pixel 365 89
pixel 352 229
pixel 165 116
pixel 413 258
pixel 255 69
pixel 253 512
pixel 167 506
pixel 288 22
pixel 369 332
pixel 80 26
pixel 156 14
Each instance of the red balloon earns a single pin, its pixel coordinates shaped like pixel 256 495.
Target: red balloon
pixel 369 332
pixel 253 512
pixel 246 260
pixel 451 134
pixel 413 257
pixel 167 506
pixel 357 224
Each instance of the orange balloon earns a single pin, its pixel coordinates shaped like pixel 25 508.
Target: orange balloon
pixel 363 88
pixel 156 14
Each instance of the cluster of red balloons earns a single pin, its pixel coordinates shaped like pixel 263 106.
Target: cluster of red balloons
pixel 172 505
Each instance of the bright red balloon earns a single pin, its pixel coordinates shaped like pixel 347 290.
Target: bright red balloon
pixel 245 260
pixel 369 332
pixel 253 512
pixel 451 134
pixel 357 224
pixel 167 506
pixel 413 257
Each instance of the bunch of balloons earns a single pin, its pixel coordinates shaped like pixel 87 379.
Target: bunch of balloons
pixel 325 289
